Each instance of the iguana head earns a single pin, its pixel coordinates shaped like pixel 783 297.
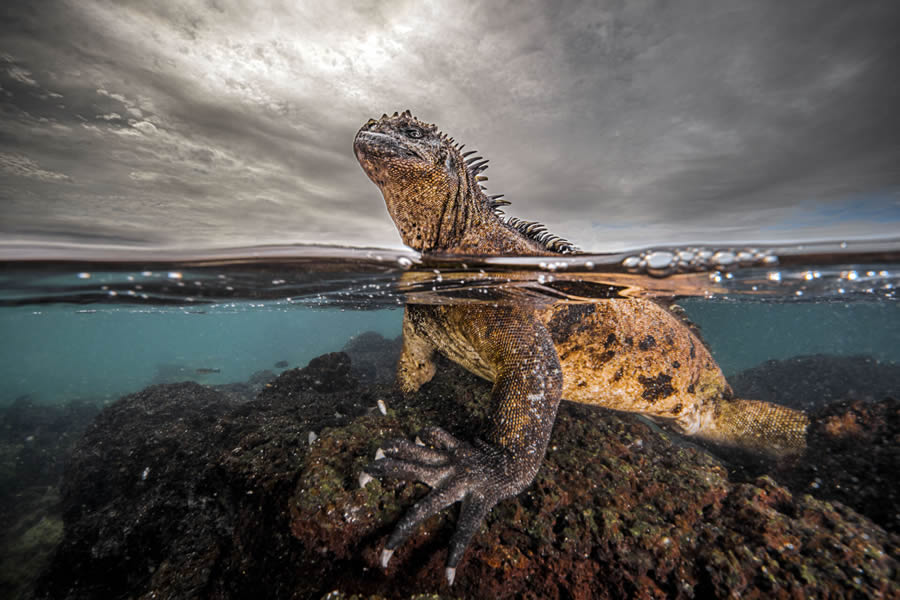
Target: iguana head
pixel 434 193
pixel 427 185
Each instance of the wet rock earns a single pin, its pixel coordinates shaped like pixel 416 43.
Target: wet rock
pixel 326 374
pixel 374 357
pixel 853 457
pixel 181 489
pixel 134 493
pixel 811 382
pixel 244 391
pixel 616 511
pixel 237 503
pixel 35 440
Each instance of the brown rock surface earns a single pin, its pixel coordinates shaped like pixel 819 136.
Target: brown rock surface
pixel 237 502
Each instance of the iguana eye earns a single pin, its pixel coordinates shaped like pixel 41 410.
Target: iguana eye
pixel 414 132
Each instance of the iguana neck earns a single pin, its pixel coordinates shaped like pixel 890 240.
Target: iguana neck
pixel 462 224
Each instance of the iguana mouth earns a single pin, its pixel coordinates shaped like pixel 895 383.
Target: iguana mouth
pixel 371 144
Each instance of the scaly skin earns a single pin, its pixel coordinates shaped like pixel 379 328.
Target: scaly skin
pixel 625 354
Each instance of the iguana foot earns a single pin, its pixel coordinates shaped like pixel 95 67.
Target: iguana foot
pixel 478 474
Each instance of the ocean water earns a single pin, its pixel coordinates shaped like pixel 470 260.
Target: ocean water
pixel 92 325
pixel 93 328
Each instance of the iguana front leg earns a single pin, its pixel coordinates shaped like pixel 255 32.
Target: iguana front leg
pixel 518 351
pixel 416 365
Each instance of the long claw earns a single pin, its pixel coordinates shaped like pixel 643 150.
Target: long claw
pixel 436 501
pixel 470 518
pixel 386 557
pixel 408 470
pixel 405 450
pixel 450 573
pixel 439 438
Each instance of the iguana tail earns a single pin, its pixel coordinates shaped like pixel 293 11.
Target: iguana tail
pixel 753 425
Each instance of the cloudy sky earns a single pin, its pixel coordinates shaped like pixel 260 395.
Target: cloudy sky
pixel 228 122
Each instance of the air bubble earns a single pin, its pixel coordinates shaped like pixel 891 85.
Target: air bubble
pixel 631 262
pixel 660 260
pixel 724 258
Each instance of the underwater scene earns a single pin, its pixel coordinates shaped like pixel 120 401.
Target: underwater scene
pixel 207 425
pixel 257 341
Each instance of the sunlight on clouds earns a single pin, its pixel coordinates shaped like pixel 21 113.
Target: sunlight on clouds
pixel 309 53
pixel 22 166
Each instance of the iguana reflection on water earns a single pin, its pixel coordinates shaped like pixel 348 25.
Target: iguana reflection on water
pixel 625 354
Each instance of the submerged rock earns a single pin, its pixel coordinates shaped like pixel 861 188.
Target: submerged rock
pixel 244 391
pixel 179 492
pixel 811 382
pixel 374 356
pixel 35 440
pixel 854 457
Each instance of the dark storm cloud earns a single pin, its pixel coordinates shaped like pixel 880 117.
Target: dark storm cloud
pixel 218 123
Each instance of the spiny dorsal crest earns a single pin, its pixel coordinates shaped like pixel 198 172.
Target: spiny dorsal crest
pixel 476 165
pixel 538 232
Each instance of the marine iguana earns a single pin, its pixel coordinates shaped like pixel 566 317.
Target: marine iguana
pixel 626 354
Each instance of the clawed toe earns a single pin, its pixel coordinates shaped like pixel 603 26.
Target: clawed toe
pixel 429 461
pixel 394 468
pixel 404 450
pixel 456 471
pixel 439 438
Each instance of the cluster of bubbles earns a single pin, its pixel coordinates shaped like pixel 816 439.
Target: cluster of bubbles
pixel 660 263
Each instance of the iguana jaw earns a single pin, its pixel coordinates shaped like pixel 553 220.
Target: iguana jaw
pixel 375 151
pixel 423 190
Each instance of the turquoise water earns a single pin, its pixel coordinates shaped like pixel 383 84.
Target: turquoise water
pixel 95 329
pixel 60 352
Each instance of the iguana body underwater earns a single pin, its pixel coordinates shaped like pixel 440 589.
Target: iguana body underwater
pixel 625 354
